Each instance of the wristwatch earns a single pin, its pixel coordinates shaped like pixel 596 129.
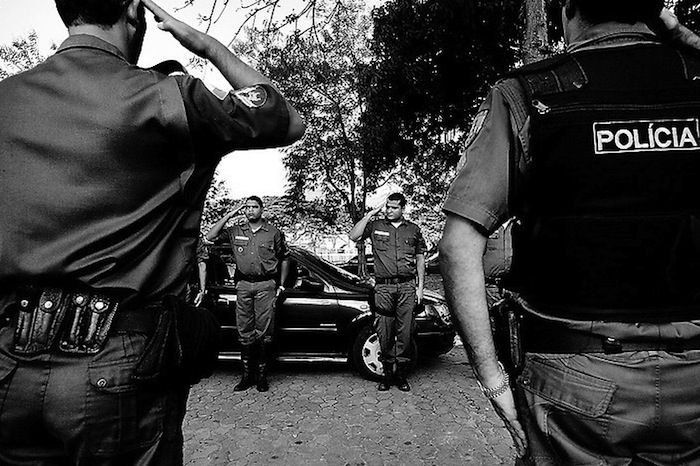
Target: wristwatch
pixel 498 390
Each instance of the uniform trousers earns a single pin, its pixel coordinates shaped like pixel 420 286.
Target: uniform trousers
pixel 255 310
pixel 59 409
pixel 631 408
pixel 394 323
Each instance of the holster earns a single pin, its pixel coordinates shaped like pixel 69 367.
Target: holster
pixel 42 312
pixel 184 346
pixel 506 317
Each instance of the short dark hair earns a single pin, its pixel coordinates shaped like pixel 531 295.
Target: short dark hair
pixel 623 11
pixel 256 199
pixel 397 197
pixel 99 12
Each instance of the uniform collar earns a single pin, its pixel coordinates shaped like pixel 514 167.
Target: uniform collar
pixel 612 34
pixel 86 41
pixel 389 222
pixel 263 226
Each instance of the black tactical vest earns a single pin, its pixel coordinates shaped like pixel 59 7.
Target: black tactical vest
pixel 610 207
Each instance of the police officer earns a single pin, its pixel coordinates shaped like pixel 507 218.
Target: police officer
pixel 399 257
pixel 104 168
pixel 262 266
pixel 597 152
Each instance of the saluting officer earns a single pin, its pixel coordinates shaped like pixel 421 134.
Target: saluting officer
pixel 597 152
pixel 104 167
pixel 399 257
pixel 262 266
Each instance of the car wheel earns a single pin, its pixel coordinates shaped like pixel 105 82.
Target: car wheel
pixel 366 352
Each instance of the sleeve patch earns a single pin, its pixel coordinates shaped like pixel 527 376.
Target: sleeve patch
pixel 252 97
pixel 477 124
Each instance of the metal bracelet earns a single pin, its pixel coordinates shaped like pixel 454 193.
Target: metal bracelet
pixel 498 390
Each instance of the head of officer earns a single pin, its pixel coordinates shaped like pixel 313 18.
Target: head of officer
pixel 579 15
pixel 253 209
pixel 394 208
pixel 123 20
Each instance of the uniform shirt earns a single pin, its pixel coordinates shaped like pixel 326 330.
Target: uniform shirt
pixel 104 167
pixel 498 149
pixel 257 253
pixel 394 249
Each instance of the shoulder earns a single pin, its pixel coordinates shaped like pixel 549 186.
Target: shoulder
pixel 414 227
pixel 557 74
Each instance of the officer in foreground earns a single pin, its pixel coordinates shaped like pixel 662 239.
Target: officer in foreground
pixel 262 267
pixel 399 257
pixel 104 168
pixel 597 152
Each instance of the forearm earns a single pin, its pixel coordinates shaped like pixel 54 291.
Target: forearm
pixel 461 252
pixel 284 271
pixel 202 269
pixel 216 229
pixel 420 270
pixel 686 37
pixel 359 228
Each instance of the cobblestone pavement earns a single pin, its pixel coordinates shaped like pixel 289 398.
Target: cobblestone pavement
pixel 328 415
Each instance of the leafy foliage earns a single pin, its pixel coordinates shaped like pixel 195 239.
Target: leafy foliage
pixel 19 56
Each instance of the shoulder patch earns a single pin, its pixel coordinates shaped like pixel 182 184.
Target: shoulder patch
pixel 252 97
pixel 474 130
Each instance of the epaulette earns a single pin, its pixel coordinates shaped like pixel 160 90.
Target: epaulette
pixel 560 73
pixel 169 67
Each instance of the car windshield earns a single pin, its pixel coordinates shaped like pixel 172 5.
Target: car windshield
pixel 330 268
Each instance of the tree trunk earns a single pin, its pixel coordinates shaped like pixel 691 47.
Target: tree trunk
pixel 536 40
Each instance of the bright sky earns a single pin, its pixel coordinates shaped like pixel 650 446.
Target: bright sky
pixel 245 172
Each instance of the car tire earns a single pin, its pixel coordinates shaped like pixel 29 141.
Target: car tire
pixel 365 354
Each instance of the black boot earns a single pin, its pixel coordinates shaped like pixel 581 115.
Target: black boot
pixel 385 383
pixel 247 375
pixel 401 381
pixel 262 385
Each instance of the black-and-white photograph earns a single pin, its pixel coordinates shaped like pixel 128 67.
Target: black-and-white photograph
pixel 349 232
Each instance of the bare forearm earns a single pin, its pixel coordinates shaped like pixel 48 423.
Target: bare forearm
pixel 461 252
pixel 216 229
pixel 284 271
pixel 420 270
pixel 359 228
pixel 202 269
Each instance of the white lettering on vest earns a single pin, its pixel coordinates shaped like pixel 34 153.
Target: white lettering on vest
pixel 615 137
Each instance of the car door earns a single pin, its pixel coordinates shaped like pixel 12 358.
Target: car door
pixel 305 321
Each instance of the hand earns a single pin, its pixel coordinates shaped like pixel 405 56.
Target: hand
pixel 419 295
pixel 280 289
pixel 669 21
pixel 198 299
pixel 235 211
pixel 504 405
pixel 193 40
pixel 378 209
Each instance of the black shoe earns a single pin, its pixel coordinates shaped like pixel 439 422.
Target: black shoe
pixel 247 375
pixel 384 385
pixel 262 384
pixel 387 378
pixel 401 380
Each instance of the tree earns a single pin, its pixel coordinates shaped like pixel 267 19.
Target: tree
pixel 321 73
pixel 19 56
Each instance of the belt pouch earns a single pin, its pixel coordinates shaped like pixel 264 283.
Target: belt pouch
pixel 73 340
pixel 39 322
pixel 101 311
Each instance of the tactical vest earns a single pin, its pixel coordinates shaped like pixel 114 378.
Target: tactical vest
pixel 610 204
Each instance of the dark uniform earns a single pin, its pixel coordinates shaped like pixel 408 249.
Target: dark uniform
pixel 395 251
pixel 104 168
pixel 258 256
pixel 597 153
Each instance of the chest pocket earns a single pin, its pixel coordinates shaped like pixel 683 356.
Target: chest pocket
pixel 409 245
pixel 240 245
pixel 266 249
pixel 381 240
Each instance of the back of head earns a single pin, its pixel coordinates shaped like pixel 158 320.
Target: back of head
pixel 98 12
pixel 622 11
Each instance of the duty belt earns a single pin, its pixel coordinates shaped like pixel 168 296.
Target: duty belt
pixel 393 280
pixel 72 321
pixel 255 278
pixel 562 340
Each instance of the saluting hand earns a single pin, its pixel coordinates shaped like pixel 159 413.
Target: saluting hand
pixel 193 40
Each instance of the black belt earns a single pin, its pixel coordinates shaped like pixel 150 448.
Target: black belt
pixel 393 280
pixel 555 339
pixel 255 278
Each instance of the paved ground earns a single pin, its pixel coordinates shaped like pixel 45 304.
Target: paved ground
pixel 328 415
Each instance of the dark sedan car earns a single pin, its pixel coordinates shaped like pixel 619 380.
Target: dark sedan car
pixel 325 315
pixel 432 263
